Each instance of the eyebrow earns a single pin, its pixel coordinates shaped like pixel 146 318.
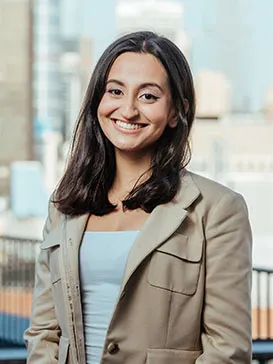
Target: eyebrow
pixel 143 85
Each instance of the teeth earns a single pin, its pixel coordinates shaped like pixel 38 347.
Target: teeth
pixel 128 125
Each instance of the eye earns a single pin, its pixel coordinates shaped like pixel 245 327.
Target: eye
pixel 149 97
pixel 114 91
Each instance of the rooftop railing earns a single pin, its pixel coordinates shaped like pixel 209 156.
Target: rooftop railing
pixel 262 314
pixel 17 272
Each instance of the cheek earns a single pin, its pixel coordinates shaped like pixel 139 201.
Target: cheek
pixel 158 116
pixel 106 107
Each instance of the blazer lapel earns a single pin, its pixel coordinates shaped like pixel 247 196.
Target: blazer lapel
pixel 74 230
pixel 161 224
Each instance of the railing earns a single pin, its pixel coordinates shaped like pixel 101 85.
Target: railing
pixel 17 271
pixel 262 314
pixel 262 303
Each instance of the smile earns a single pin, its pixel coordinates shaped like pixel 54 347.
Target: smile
pixel 128 126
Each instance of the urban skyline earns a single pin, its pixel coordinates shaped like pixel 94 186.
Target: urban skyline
pixel 230 36
pixel 68 62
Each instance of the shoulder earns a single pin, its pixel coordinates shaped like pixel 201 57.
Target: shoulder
pixel 54 215
pixel 221 209
pixel 212 193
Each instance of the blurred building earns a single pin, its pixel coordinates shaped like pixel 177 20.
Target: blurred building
pixel 162 16
pixel 46 74
pixel 48 89
pixel 15 86
pixel 238 151
pixel 71 18
pixel 213 94
pixel 86 60
pixel 75 65
pixel 241 144
pixel 233 37
pixel 72 91
pixel 87 19
pixel 268 105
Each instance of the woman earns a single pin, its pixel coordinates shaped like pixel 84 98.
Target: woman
pixel 141 261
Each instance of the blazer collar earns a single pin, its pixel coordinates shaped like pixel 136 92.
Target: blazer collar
pixel 159 226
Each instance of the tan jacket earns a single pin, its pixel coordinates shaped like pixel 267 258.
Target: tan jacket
pixel 185 295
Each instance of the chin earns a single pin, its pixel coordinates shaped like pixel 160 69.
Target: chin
pixel 127 149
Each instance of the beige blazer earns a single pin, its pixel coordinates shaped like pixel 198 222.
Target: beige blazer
pixel 185 295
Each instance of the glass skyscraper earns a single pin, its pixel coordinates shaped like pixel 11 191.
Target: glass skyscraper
pixel 46 73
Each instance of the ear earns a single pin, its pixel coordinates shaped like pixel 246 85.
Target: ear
pixel 173 118
pixel 173 123
pixel 186 106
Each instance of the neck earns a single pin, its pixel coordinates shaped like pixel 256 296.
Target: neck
pixel 130 169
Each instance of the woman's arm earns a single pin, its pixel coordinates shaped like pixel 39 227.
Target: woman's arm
pixel 42 337
pixel 226 336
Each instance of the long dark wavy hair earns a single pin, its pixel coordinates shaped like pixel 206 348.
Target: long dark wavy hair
pixel 91 167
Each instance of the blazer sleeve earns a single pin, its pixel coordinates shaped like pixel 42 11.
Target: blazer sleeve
pixel 226 331
pixel 42 336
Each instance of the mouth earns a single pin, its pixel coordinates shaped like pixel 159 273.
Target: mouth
pixel 128 126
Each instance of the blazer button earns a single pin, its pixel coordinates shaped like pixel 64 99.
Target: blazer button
pixel 112 348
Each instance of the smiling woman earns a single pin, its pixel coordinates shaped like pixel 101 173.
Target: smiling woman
pixel 142 261
pixel 140 105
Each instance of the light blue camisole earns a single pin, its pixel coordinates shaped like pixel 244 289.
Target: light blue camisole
pixel 103 256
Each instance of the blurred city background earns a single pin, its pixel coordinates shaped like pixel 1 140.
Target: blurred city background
pixel 48 51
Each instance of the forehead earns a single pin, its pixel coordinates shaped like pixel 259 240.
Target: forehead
pixel 138 67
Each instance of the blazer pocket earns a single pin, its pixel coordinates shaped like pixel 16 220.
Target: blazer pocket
pixel 175 265
pixel 170 356
pixel 63 350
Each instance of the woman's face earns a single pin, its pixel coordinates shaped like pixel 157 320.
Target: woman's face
pixel 137 104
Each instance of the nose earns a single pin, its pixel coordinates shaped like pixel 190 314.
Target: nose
pixel 129 108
